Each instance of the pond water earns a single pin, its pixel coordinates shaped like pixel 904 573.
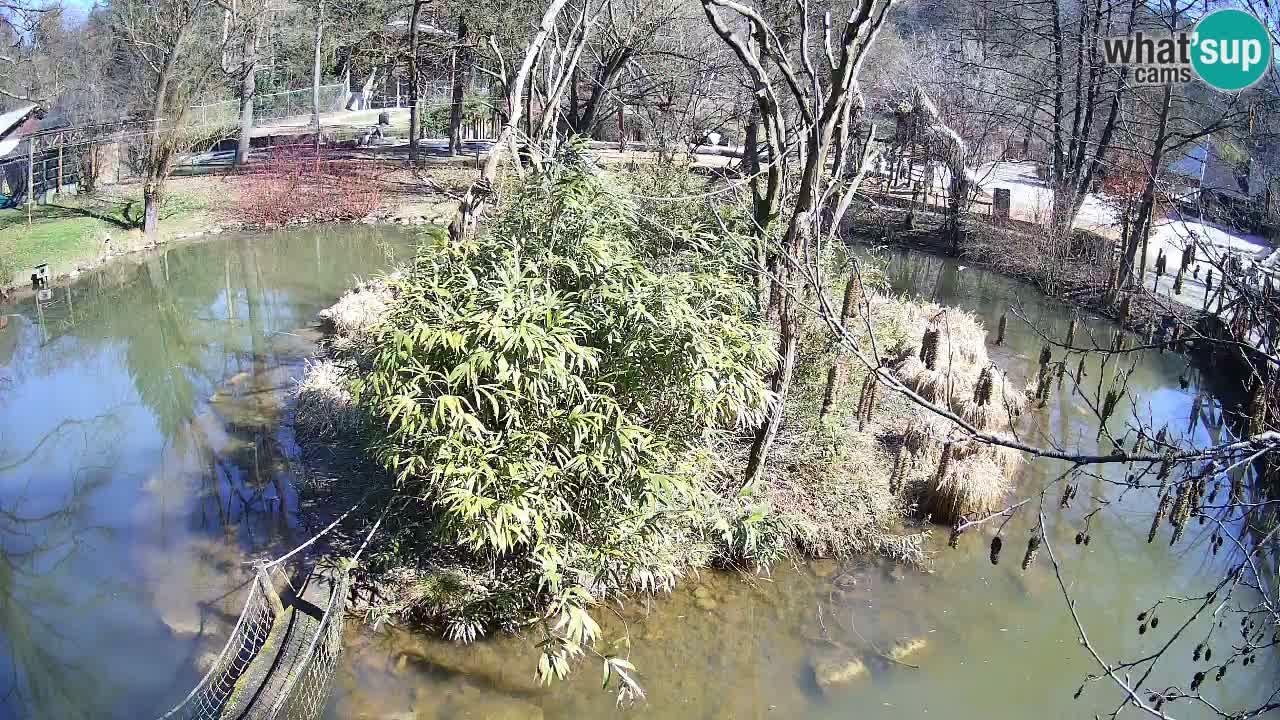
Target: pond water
pixel 143 458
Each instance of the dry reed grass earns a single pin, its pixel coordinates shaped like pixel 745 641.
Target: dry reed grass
pixel 973 477
pixel 349 321
pixel 847 483
pixel 325 409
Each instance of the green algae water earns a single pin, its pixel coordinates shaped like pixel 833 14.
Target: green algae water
pixel 144 457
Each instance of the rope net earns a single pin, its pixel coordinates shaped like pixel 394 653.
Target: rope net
pixel 210 696
pixel 302 694
pixel 305 696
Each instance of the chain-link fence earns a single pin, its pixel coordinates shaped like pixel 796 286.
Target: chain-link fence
pixel 270 106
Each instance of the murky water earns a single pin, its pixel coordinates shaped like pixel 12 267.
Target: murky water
pixel 142 460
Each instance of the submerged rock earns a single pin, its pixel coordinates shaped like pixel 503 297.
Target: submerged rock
pixel 897 574
pixel 473 703
pixel 835 668
pixel 904 649
pixel 207 660
pixel 824 568
pixel 499 668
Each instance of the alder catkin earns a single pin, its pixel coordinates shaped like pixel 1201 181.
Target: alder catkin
pixel 944 464
pixel 1161 509
pixel 1033 549
pixel 983 388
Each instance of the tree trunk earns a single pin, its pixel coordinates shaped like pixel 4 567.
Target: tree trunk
pixel 461 62
pixel 160 152
pixel 751 144
pixel 1141 227
pixel 152 198
pixel 573 98
pixel 315 75
pixel 781 386
pixel 584 117
pixel 1059 151
pixel 413 82
pixel 248 87
pixel 1085 168
pixel 793 242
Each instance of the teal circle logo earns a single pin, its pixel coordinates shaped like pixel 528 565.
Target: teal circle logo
pixel 1232 50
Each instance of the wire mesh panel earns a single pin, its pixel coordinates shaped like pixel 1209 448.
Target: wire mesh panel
pixel 210 696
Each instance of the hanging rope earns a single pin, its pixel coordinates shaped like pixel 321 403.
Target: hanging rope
pixel 313 538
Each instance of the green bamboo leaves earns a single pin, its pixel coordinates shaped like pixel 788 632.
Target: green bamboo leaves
pixel 558 394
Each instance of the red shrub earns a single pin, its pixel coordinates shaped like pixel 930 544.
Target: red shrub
pixel 293 184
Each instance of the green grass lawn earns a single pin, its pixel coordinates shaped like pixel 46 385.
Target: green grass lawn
pixel 71 229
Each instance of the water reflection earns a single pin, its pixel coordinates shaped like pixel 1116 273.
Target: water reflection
pixel 142 458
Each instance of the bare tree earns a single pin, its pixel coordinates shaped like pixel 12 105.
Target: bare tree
pixel 461 77
pixel 414 111
pixel 819 78
pixel 166 61
pixel 315 74
pixel 478 195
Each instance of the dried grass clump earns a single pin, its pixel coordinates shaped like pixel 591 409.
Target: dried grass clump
pixel 973 485
pixel 961 337
pixel 953 476
pixel 1005 406
pixel 349 320
pixel 954 341
pixel 963 378
pixel 325 408
pixel 837 496
pixel 929 384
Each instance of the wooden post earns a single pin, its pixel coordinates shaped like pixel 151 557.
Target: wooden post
pixel 59 188
pixel 269 591
pixel 31 176
pixel 1001 204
